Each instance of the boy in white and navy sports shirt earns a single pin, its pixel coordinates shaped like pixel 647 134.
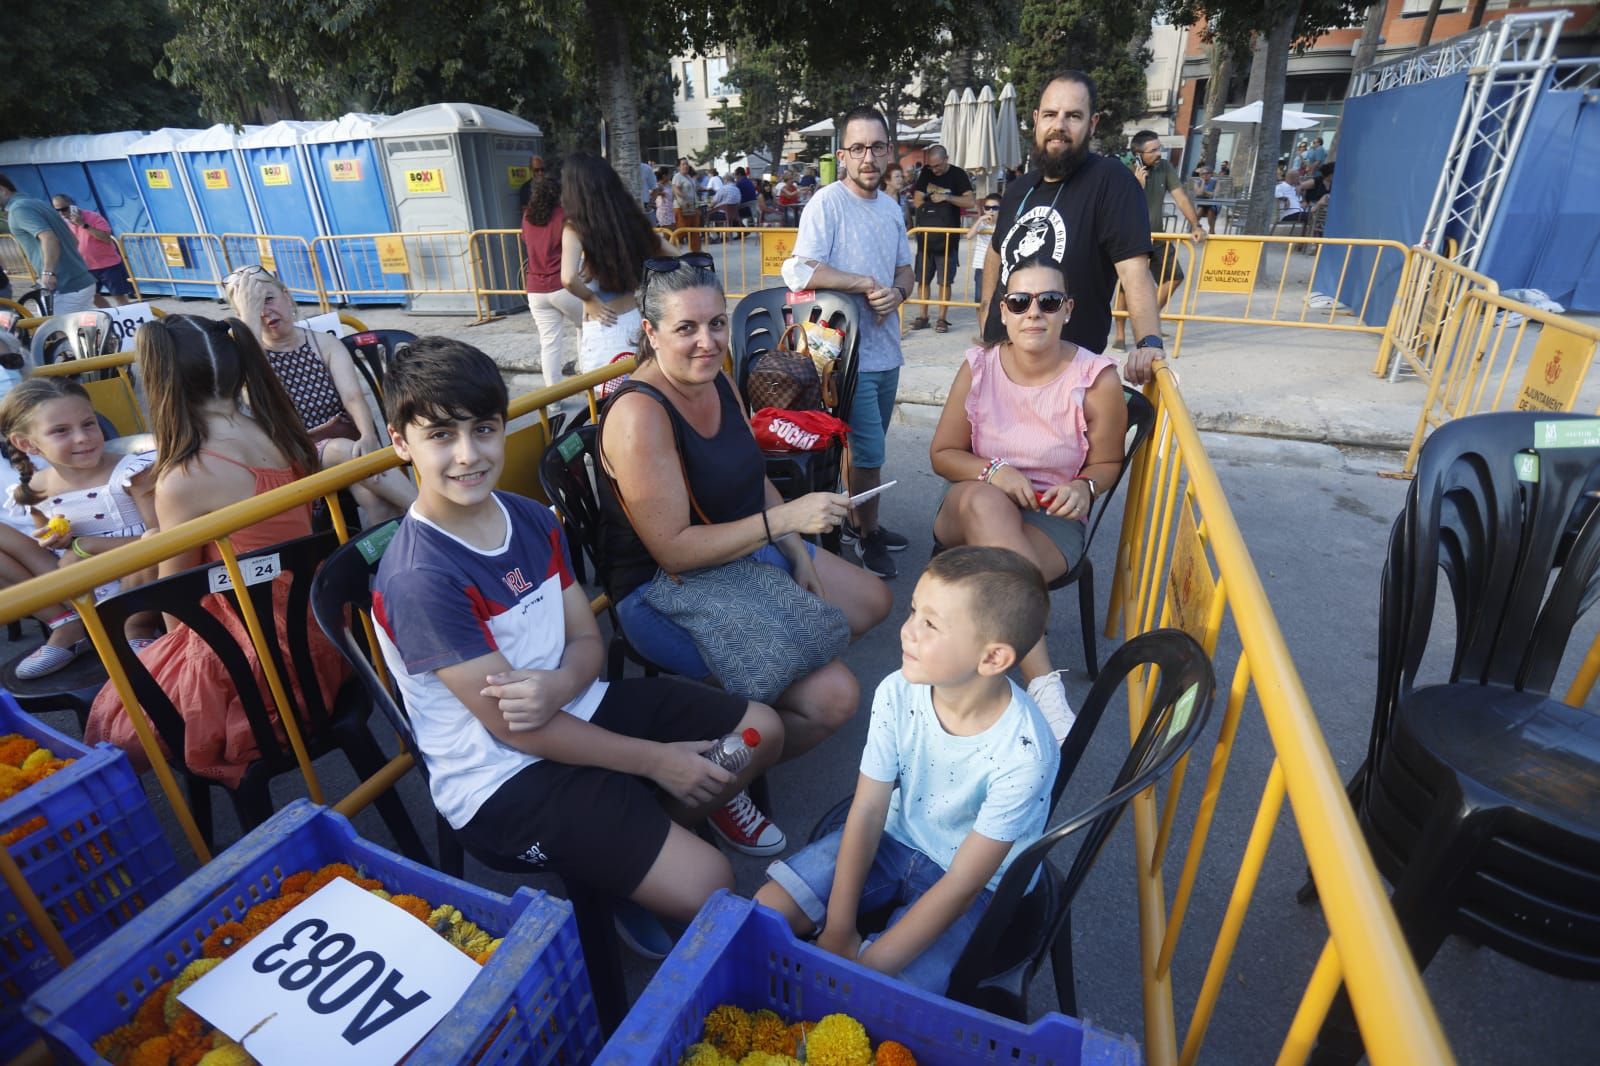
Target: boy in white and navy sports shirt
pixel 497 655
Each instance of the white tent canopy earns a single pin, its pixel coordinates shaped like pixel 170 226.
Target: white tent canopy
pixel 1250 115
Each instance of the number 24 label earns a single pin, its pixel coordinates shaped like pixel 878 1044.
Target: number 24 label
pixel 334 975
pixel 256 570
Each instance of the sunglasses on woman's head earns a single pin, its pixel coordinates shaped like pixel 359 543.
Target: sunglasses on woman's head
pixel 666 264
pixel 1049 302
pixel 245 272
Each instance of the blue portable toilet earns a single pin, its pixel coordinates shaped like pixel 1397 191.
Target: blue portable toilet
pixel 59 160
pixel 105 158
pixel 277 174
pixel 189 265
pixel 17 161
pixel 216 177
pixel 352 193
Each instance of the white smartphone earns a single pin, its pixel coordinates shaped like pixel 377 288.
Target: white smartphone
pixel 870 493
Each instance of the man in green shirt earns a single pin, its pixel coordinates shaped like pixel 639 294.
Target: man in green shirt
pixel 1159 177
pixel 50 248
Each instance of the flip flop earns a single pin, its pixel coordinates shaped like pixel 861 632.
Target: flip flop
pixel 941 326
pixel 48 658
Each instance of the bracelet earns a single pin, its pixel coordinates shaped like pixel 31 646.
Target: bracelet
pixel 77 549
pixel 767 525
pixel 994 465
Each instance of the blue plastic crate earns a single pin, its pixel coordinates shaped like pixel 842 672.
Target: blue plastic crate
pixel 532 1003
pixel 737 952
pixel 97 860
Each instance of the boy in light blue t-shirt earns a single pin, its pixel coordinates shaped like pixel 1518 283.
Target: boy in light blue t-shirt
pixel 955 779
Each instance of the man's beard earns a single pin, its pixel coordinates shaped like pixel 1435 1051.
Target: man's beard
pixel 1060 167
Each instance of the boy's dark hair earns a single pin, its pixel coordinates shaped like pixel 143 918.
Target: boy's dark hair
pixel 440 379
pixel 1007 593
pixel 6 183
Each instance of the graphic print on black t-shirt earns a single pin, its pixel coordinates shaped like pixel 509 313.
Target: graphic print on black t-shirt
pixel 1087 223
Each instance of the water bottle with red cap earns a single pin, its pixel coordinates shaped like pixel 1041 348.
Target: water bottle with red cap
pixel 733 752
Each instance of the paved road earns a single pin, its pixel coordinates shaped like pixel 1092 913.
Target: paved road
pixel 1315 519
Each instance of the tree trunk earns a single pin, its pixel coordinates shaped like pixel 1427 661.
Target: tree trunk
pixel 1269 135
pixel 1427 24
pixel 1216 100
pixel 1247 148
pixel 1478 8
pixel 1366 52
pixel 619 104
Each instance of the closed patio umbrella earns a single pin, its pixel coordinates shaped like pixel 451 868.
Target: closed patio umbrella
pixel 950 127
pixel 980 157
pixel 1007 135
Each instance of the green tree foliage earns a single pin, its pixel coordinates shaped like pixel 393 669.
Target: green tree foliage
pixel 87 66
pixel 1100 37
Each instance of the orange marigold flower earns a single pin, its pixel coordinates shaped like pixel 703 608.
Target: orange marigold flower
pixel 14 748
pixel 893 1053
pixel 797 1033
pixel 415 906
pixel 335 869
pixel 148 1020
pixel 728 1030
pixel 264 914
pixel 295 882
pixel 769 1033
pixel 157 1051
pixel 32 825
pixel 224 940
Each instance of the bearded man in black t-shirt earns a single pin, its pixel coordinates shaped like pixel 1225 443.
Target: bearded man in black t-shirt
pixel 1088 213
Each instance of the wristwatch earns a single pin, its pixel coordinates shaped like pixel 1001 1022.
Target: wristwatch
pixel 1093 490
pixel 904 295
pixel 1152 341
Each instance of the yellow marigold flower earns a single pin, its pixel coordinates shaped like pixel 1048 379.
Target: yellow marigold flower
pixel 769 1033
pixel 39 758
pixel 703 1054
pixel 893 1053
pixel 229 1054
pixel 767 1058
pixel 838 1040
pixel 157 1051
pixel 728 1030
pixel 191 973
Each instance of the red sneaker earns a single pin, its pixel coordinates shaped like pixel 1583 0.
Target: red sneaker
pixel 746 829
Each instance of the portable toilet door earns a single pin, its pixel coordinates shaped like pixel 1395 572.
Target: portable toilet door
pixel 226 206
pixel 176 257
pixel 441 161
pixel 105 159
pixel 17 163
pixel 59 160
pixel 348 181
pixel 275 172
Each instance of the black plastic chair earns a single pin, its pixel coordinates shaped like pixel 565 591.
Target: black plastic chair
pixel 758 324
pixel 1480 798
pixel 342 726
pixel 1021 927
pixel 1141 420
pixel 342 588
pixel 373 350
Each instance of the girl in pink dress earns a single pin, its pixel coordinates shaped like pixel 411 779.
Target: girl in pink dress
pixel 1031 433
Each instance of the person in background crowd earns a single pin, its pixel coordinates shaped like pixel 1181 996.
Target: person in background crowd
pixel 686 202
pixel 1288 198
pixel 894 186
pixel 787 195
pixel 1086 212
pixel 941 192
pixel 535 172
pixel 1318 187
pixel 661 199
pixel 320 377
pixel 1316 155
pixel 556 313
pixel 808 180
pixel 714 182
pixel 52 250
pixel 750 203
pixel 853 239
pixel 647 183
pixel 98 248
pixel 1159 178
pixel 604 242
pixel 725 206
pixel 981 234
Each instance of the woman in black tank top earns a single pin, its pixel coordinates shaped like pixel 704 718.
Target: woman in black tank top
pixel 680 393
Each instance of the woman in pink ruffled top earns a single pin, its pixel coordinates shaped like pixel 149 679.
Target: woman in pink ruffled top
pixel 1031 433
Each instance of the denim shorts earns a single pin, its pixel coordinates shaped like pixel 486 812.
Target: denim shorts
pixel 666 643
pixel 871 410
pixel 899 876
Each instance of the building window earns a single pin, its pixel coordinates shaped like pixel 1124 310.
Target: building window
pixel 688 80
pixel 1419 8
pixel 716 75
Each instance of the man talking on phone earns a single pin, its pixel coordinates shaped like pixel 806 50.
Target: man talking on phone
pixel 1159 177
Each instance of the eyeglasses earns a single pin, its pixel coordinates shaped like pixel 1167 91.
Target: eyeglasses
pixel 1049 302
pixel 244 272
pixel 856 151
pixel 63 210
pixel 667 264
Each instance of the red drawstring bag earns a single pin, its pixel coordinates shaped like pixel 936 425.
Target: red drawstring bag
pixel 778 430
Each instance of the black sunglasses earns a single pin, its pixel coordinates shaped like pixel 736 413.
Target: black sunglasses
pixel 1049 302
pixel 667 264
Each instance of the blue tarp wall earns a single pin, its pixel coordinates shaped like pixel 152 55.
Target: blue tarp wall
pixel 1547 231
pixel 1392 146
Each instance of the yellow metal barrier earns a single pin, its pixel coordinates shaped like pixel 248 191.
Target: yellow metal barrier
pixel 940 241
pixel 1480 347
pixel 14 262
pixel 748 258
pixel 500 265
pixel 1431 290
pixel 289 257
pixel 179 263
pixel 1175 514
pixel 433 269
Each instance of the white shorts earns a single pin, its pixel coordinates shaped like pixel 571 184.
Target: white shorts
pixel 601 344
pixel 70 303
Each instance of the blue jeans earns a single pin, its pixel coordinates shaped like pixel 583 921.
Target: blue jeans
pixel 900 875
pixel 666 643
pixel 871 409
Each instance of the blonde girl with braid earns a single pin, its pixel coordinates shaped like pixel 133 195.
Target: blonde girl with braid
pixel 84 502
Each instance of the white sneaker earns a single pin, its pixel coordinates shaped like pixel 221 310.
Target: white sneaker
pixel 1050 694
pixel 746 829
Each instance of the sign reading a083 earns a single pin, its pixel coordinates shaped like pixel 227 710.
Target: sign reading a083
pixel 327 967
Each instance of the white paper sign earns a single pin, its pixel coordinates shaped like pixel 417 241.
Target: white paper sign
pixel 261 568
pixel 329 323
pixel 344 977
pixel 125 322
